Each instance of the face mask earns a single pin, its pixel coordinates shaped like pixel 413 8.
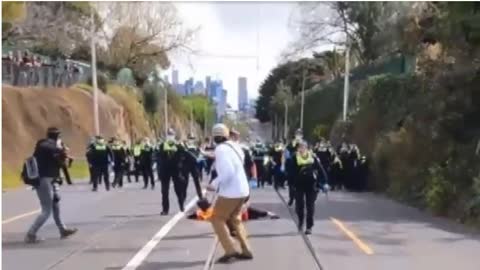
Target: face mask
pixel 101 141
pixel 218 140
pixel 170 138
pixel 298 137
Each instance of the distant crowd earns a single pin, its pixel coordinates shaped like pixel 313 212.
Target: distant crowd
pixel 22 68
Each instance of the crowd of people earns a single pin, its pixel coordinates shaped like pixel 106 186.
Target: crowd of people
pixel 230 166
pixel 22 68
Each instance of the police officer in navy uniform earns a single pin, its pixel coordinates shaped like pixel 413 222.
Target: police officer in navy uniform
pixel 192 167
pixel 169 156
pixel 309 178
pixel 259 153
pixel 292 149
pixel 101 156
pixel 136 153
pixel 146 164
pixel 119 155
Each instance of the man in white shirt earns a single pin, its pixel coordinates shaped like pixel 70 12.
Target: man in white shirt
pixel 233 191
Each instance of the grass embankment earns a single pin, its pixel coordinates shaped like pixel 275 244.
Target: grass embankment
pixel 11 175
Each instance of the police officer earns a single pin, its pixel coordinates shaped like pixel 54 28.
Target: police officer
pixel 259 156
pixel 276 155
pixel 170 164
pixel 128 160
pixel 291 150
pixel 119 157
pixel 89 157
pixel 101 156
pixel 146 163
pixel 192 167
pixel 136 153
pixel 308 178
pixel 325 156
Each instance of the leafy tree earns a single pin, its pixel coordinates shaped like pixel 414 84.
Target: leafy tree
pixel 201 107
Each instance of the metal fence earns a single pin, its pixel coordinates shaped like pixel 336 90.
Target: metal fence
pixel 34 70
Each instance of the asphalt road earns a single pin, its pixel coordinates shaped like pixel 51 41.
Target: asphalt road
pixel 122 229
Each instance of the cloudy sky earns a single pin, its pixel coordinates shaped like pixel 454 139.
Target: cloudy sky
pixel 227 39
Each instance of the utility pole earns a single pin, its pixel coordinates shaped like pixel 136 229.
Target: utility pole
pixel 165 110
pixel 285 124
pixel 96 122
pixel 346 82
pixel 191 119
pixel 303 99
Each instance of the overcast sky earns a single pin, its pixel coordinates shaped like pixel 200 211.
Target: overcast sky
pixel 230 29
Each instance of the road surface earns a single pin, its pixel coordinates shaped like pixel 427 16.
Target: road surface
pixel 122 229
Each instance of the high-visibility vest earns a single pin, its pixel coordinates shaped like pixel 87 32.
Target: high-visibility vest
pixel 116 147
pixel 100 147
pixel 301 161
pixel 137 150
pixel 169 148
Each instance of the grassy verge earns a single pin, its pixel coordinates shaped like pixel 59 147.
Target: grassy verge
pixel 11 175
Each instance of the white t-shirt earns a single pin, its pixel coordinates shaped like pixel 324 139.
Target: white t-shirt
pixel 231 181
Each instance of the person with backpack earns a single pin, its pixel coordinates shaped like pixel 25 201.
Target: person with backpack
pixel 48 158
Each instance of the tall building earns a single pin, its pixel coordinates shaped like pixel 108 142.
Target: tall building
pixel 242 94
pixel 208 81
pixel 174 78
pixel 222 105
pixel 188 87
pixel 199 89
pixel 214 92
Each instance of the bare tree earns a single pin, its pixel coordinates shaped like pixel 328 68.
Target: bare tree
pixel 60 25
pixel 365 26
pixel 141 34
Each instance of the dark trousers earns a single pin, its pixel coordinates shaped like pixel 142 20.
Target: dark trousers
pixel 98 173
pixel 179 185
pixel 66 174
pixel 278 177
pixel 261 175
pixel 147 173
pixel 195 172
pixel 305 196
pixel 90 171
pixel 138 169
pixel 118 179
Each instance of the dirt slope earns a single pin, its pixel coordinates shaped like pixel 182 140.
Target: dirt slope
pixel 28 112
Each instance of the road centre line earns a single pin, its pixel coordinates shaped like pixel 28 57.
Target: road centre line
pixel 141 255
pixel 364 247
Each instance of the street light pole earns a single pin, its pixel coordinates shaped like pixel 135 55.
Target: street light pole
pixel 285 125
pixel 96 122
pixel 346 83
pixel 165 110
pixel 303 99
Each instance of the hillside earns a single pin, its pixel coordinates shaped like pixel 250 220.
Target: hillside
pixel 28 112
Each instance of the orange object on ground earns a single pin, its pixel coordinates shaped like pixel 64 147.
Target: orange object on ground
pixel 245 215
pixel 204 215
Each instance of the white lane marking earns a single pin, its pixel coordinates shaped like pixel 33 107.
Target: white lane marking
pixel 209 262
pixel 20 216
pixel 147 249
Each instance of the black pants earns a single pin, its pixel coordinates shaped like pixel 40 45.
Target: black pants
pixel 137 168
pixel 98 173
pixel 261 175
pixel 195 173
pixel 147 173
pixel 305 198
pixel 118 179
pixel 66 174
pixel 179 185
pixel 278 177
pixel 291 191
pixel 90 171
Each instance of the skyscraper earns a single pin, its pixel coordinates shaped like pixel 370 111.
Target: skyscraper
pixel 208 81
pixel 242 94
pixel 198 89
pixel 188 87
pixel 174 78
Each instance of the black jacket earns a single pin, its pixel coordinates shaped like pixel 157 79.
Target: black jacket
pixel 49 158
pixel 306 175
